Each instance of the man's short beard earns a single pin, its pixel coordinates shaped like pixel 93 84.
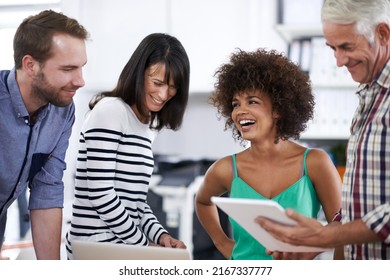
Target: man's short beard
pixel 47 93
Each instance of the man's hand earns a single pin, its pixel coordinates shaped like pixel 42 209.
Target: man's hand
pixel 307 232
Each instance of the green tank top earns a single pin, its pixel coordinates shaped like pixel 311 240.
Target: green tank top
pixel 301 196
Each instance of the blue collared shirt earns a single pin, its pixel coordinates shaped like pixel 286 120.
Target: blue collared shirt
pixel 31 154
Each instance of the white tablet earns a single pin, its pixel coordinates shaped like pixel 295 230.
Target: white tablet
pixel 244 212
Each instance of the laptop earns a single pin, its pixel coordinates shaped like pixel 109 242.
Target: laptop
pixel 86 250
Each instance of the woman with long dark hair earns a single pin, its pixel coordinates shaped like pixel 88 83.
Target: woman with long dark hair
pixel 115 160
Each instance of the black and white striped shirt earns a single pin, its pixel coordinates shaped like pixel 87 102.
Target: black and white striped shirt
pixel 114 166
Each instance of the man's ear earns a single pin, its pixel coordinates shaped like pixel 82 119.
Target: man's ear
pixel 29 64
pixel 383 33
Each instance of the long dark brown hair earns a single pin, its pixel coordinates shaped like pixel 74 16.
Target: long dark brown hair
pixel 153 49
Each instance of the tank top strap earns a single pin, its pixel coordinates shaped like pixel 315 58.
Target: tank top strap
pixel 234 166
pixel 304 168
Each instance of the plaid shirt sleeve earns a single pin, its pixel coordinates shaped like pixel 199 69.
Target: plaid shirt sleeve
pixel 378 221
pixel 337 217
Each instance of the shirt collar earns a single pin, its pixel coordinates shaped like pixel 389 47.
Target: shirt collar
pixel 16 96
pixel 17 101
pixel 384 76
pixel 383 80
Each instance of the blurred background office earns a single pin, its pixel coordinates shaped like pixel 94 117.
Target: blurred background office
pixel 210 30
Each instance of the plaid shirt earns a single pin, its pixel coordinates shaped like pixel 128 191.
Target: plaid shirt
pixel 366 184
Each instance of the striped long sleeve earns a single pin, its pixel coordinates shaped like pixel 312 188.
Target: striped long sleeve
pixel 114 166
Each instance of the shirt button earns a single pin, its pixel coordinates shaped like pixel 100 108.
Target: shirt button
pixel 26 121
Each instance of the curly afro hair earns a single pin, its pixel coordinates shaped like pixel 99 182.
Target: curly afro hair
pixel 271 73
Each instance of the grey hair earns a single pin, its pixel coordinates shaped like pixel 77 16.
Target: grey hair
pixel 367 14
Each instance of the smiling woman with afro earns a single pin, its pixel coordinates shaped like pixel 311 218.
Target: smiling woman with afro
pixel 271 73
pixel 266 100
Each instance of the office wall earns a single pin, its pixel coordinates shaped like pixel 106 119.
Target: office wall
pixel 202 135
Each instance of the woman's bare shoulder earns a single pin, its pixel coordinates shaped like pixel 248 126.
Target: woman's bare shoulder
pixel 221 165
